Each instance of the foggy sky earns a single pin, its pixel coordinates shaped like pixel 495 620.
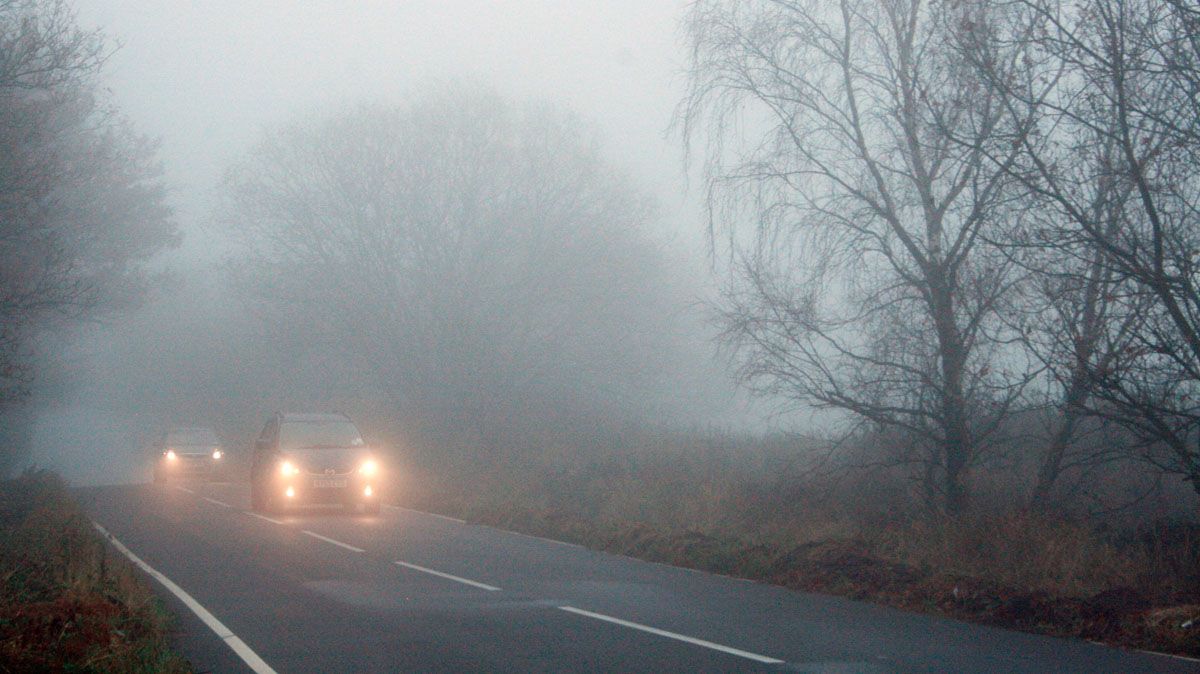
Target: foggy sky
pixel 207 78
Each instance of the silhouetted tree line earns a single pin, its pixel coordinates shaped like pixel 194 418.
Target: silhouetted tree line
pixel 457 256
pixel 81 204
pixel 944 217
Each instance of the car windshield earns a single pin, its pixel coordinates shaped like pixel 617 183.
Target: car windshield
pixel 318 434
pixel 192 436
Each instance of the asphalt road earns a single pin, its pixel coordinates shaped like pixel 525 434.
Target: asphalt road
pixel 406 591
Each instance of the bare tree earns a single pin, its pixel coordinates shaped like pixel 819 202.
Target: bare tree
pixel 42 48
pixel 468 257
pixel 864 283
pixel 1112 84
pixel 80 201
pixel 1068 317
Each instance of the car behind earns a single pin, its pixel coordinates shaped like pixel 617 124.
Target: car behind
pixel 194 452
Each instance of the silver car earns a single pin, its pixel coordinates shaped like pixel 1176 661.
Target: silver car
pixel 303 459
pixel 189 452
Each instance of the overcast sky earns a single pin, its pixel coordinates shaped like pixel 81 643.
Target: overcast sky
pixel 208 77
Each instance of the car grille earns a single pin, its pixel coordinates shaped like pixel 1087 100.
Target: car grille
pixel 334 470
pixel 195 462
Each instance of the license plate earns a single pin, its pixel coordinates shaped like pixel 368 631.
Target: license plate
pixel 329 484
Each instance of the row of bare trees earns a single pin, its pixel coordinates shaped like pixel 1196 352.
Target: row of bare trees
pixel 464 259
pixel 943 218
pixel 81 204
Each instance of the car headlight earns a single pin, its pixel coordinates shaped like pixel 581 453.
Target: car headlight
pixel 368 467
pixel 217 454
pixel 288 469
pixel 171 455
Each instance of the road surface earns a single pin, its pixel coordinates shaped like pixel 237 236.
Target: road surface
pixel 408 591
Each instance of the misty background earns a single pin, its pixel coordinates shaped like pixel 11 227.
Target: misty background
pixel 546 239
pixel 206 346
pixel 903 294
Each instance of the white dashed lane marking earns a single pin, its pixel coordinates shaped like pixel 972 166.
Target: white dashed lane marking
pixel 674 635
pixel 330 540
pixel 263 517
pixel 457 579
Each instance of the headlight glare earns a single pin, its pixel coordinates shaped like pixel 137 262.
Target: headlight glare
pixel 368 467
pixel 288 469
pixel 171 455
pixel 217 454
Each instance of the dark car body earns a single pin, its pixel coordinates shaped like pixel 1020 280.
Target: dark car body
pixel 189 452
pixel 309 459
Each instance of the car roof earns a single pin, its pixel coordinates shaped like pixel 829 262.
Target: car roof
pixel 299 416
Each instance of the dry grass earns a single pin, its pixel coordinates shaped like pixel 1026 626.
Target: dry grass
pixel 1017 549
pixel 66 602
pixel 1057 575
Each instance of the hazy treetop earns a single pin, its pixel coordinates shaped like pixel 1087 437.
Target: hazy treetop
pixel 207 77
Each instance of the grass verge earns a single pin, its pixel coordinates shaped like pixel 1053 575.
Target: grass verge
pixel 67 603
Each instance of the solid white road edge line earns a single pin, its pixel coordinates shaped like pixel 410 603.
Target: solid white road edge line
pixel 482 586
pixel 672 635
pixel 540 538
pixel 224 633
pixel 1165 655
pixel 330 540
pixel 213 500
pixel 422 512
pixel 183 489
pixel 262 517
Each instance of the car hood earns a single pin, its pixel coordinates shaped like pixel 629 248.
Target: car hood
pixel 194 450
pixel 340 459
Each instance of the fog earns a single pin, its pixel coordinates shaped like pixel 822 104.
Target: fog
pixel 535 235
pixel 206 79
pixel 206 346
pixel 896 301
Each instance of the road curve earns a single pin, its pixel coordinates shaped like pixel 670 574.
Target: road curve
pixel 409 591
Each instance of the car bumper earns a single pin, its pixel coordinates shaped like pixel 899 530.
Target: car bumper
pixel 194 467
pixel 316 490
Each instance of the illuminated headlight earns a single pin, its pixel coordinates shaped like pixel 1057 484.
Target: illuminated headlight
pixel 171 455
pixel 368 491
pixel 368 467
pixel 217 454
pixel 291 492
pixel 288 469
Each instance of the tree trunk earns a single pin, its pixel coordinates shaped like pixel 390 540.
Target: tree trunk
pixel 957 443
pixel 1056 449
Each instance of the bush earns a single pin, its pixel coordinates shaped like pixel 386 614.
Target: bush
pixel 66 602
